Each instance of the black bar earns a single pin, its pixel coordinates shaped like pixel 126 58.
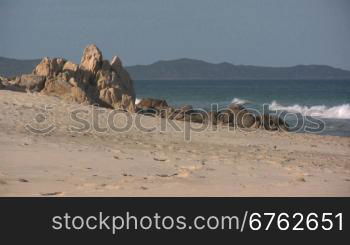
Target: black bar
pixel 30 219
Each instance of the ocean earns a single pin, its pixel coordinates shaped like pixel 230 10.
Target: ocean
pixel 324 100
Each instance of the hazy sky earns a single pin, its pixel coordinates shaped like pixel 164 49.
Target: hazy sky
pixel 256 32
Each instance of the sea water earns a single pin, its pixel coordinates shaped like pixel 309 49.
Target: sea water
pixel 326 100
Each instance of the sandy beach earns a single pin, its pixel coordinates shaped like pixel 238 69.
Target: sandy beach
pixel 215 162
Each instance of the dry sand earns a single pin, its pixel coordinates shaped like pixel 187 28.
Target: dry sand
pixel 136 163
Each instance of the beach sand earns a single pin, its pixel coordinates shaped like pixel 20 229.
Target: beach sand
pixel 214 162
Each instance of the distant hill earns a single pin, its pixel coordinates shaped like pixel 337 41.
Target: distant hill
pixel 183 69
pixel 188 69
pixel 13 67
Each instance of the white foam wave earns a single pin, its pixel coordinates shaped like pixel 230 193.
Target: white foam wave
pixel 137 101
pixel 239 101
pixel 339 111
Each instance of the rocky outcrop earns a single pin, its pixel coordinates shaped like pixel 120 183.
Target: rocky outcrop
pixel 271 123
pixel 115 86
pixel 156 104
pixel 93 81
pixel 236 115
pixel 91 60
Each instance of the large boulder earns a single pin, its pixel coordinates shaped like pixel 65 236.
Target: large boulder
pixel 92 59
pixel 116 64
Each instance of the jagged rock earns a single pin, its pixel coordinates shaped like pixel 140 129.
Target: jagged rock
pixel 94 81
pixel 58 86
pixel 115 91
pixel 49 67
pixel 92 59
pixel 65 87
pixel 70 68
pixel 116 64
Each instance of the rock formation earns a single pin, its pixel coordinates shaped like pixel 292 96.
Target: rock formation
pixel 93 81
pixel 233 116
pixel 152 103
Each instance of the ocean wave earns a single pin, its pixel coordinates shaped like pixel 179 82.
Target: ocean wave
pixel 239 101
pixel 137 101
pixel 339 111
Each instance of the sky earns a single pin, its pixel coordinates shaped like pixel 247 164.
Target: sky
pixel 251 32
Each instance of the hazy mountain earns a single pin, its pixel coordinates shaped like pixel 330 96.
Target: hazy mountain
pixel 182 69
pixel 13 67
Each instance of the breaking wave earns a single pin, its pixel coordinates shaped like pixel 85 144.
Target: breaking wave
pixel 239 101
pixel 339 111
pixel 137 101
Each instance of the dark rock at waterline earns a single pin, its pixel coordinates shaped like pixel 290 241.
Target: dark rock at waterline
pixel 236 115
pixel 150 103
pixel 272 122
pixel 182 113
pixel 211 118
